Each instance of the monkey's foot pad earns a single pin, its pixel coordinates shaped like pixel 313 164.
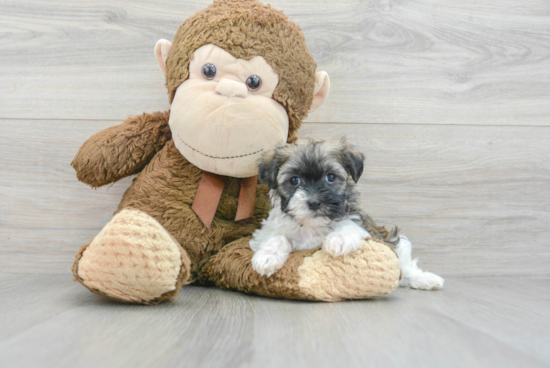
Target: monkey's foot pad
pixel 133 259
pixel 369 272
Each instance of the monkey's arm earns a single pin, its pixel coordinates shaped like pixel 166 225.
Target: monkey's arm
pixel 121 150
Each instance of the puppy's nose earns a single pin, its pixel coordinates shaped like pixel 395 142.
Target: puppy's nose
pixel 314 204
pixel 231 88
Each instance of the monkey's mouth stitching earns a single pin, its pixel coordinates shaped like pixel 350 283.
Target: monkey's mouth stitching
pixel 216 157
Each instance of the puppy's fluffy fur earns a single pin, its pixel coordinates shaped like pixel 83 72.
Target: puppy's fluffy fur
pixel 315 203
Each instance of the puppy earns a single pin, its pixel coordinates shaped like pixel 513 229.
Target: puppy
pixel 315 203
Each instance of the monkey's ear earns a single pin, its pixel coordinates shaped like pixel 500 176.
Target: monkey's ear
pixel 162 50
pixel 269 169
pixel 352 160
pixel 320 93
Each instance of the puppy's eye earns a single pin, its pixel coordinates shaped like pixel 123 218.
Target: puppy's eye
pixel 295 181
pixel 254 82
pixel 331 178
pixel 209 71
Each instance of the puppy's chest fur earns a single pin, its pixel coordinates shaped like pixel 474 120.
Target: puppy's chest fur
pixel 300 237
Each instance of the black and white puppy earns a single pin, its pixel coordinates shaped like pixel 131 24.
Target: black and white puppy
pixel 315 203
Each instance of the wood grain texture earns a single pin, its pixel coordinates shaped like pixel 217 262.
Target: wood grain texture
pixel 473 200
pixel 427 61
pixel 472 323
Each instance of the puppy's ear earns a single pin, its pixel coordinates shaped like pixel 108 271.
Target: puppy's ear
pixel 269 168
pixel 352 160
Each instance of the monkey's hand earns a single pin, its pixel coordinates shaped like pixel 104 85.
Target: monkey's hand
pixel 121 150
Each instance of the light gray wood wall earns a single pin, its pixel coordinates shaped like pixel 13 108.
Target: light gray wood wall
pixel 450 101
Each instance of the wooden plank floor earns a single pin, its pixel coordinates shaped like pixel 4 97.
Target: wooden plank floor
pixel 50 321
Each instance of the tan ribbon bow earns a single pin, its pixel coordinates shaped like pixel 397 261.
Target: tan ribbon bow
pixel 209 194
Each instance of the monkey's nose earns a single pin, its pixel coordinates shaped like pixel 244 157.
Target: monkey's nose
pixel 314 204
pixel 231 88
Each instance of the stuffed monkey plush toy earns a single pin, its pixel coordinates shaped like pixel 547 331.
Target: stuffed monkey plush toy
pixel 240 81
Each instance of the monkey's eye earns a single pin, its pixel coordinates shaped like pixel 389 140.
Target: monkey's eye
pixel 209 71
pixel 295 181
pixel 254 82
pixel 331 178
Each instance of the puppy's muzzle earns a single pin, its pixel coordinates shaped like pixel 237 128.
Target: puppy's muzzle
pixel 314 204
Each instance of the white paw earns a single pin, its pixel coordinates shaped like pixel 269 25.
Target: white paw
pixel 340 244
pixel 271 256
pixel 266 264
pixel 426 281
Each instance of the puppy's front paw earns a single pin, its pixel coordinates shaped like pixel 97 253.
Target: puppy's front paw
pixel 271 256
pixel 426 281
pixel 341 244
pixel 266 264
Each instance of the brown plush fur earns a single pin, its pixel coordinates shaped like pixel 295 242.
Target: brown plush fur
pixel 165 190
pixel 248 28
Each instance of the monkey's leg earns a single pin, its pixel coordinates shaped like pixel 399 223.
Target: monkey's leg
pixel 133 260
pixel 310 274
